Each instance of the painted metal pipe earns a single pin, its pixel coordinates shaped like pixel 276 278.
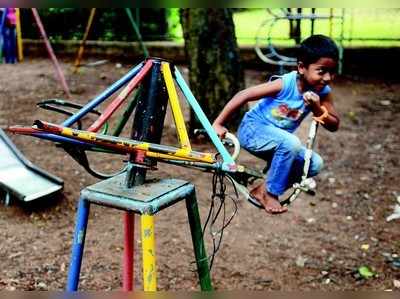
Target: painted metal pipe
pixel 117 102
pixel 175 107
pixel 104 146
pixel 229 163
pixel 124 117
pixel 51 53
pixel 137 31
pixel 82 217
pixel 46 136
pixel 19 35
pixel 83 41
pixel 128 259
pixel 124 144
pixel 149 254
pixel 198 243
pixel 103 96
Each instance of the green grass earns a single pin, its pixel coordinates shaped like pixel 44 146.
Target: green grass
pixel 369 23
pixel 372 24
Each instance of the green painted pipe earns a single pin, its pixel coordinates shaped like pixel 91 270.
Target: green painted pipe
pixel 198 243
pixel 136 29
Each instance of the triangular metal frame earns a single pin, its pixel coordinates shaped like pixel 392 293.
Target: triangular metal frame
pixel 90 138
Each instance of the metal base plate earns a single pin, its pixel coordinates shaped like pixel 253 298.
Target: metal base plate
pixel 148 198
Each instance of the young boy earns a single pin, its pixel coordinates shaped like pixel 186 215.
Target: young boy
pixel 266 130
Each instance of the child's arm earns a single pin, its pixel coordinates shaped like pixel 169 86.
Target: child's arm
pixel 331 122
pixel 242 97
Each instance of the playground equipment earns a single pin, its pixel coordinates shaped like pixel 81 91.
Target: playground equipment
pixel 270 54
pixel 2 23
pixel 18 33
pixel 21 179
pixel 53 57
pixel 83 41
pixel 81 49
pixel 19 36
pixel 129 190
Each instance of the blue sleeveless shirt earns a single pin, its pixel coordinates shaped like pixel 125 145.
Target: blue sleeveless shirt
pixel 286 109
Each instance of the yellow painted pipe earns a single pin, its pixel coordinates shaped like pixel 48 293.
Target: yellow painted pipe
pixel 129 145
pixel 175 107
pixel 19 36
pixel 125 144
pixel 148 253
pixel 83 41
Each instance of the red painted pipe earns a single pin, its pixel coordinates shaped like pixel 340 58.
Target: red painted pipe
pixel 129 237
pixel 51 52
pixel 23 130
pixel 114 105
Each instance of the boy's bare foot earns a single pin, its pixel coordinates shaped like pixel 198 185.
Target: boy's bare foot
pixel 272 204
pixel 269 202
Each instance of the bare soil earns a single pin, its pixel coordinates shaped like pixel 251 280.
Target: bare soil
pixel 318 245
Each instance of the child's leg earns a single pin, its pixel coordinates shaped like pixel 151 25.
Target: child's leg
pixel 316 166
pixel 288 147
pixel 262 139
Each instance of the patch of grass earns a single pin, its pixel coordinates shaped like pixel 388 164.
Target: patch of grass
pixel 369 27
pixel 361 27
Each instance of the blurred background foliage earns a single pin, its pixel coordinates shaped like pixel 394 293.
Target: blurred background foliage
pixel 110 24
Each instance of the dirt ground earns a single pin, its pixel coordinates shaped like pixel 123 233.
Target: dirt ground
pixel 318 245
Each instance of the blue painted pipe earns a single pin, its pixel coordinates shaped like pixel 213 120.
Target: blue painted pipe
pixel 103 96
pixel 61 139
pixel 228 160
pixel 82 216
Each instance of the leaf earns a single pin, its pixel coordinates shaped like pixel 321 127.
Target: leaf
pixel 365 272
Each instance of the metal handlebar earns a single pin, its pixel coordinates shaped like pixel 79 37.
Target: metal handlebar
pixel 235 143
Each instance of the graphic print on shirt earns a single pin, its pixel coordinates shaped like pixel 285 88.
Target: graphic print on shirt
pixel 286 115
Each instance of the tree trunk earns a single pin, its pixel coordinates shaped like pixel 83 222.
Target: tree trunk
pixel 215 73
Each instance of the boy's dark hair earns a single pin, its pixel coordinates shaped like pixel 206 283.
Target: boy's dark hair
pixel 315 47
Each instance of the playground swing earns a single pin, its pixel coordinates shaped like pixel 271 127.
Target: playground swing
pixel 272 56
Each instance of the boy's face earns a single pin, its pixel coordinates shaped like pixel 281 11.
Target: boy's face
pixel 318 74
